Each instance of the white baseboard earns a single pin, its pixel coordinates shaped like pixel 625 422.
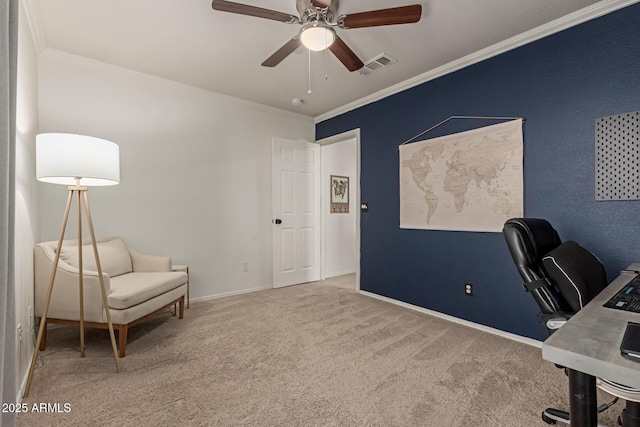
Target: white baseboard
pixel 339 273
pixel 494 331
pixel 229 294
pixel 23 386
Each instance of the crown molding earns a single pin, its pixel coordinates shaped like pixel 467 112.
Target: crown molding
pixel 583 15
pixel 34 21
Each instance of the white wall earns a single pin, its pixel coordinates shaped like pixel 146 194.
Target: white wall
pixel 195 168
pixel 340 229
pixel 26 226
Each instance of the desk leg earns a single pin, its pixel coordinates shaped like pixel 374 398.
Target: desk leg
pixel 582 400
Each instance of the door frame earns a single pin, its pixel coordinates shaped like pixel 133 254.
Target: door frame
pixel 352 134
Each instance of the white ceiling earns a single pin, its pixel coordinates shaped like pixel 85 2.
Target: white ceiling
pixel 187 41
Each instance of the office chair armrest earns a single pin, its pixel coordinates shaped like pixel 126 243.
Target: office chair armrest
pixel 554 321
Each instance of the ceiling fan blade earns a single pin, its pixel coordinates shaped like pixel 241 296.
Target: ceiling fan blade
pixel 345 55
pixel 258 12
pixel 374 18
pixel 282 53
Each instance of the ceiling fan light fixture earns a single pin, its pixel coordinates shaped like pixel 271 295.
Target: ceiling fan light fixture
pixel 317 36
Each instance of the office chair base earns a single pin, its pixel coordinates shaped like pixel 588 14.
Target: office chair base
pixel 552 415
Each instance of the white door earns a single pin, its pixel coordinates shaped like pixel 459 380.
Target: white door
pixel 296 212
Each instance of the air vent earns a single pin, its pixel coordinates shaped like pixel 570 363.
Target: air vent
pixel 384 60
pixel 377 63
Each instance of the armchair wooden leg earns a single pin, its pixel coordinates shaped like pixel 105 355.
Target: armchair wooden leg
pixel 122 340
pixel 181 304
pixel 43 342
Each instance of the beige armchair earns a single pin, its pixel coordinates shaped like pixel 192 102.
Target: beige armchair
pixel 137 286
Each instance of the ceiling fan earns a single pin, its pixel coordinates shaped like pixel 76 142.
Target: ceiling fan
pixel 317 20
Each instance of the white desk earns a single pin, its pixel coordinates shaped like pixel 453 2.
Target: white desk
pixel 589 346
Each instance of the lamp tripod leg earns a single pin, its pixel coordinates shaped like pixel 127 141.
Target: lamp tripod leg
pixel 80 272
pixel 43 319
pixel 105 303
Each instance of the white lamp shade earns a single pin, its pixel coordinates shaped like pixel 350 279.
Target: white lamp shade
pixel 317 36
pixel 63 157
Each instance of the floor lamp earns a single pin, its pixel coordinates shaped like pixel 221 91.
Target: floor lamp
pixel 79 162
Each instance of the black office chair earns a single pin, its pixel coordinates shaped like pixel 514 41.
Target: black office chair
pixel 562 278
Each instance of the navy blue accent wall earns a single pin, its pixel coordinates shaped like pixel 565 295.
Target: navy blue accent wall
pixel 560 85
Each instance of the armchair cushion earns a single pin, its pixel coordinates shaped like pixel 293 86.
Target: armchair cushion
pixel 143 262
pixel 114 257
pixel 134 288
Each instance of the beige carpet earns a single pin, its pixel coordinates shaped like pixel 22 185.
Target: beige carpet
pixel 310 355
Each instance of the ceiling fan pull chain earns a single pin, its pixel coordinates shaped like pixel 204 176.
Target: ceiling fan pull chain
pixel 309 90
pixel 326 61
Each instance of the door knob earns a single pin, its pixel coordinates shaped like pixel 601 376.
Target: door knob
pixel 277 221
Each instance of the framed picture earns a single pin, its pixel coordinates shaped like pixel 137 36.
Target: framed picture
pixel 339 191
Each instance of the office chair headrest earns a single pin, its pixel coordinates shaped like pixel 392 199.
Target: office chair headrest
pixel 528 240
pixel 577 272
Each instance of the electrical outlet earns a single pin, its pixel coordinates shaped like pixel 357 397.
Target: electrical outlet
pixel 468 289
pixel 245 266
pixel 30 314
pixel 19 332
